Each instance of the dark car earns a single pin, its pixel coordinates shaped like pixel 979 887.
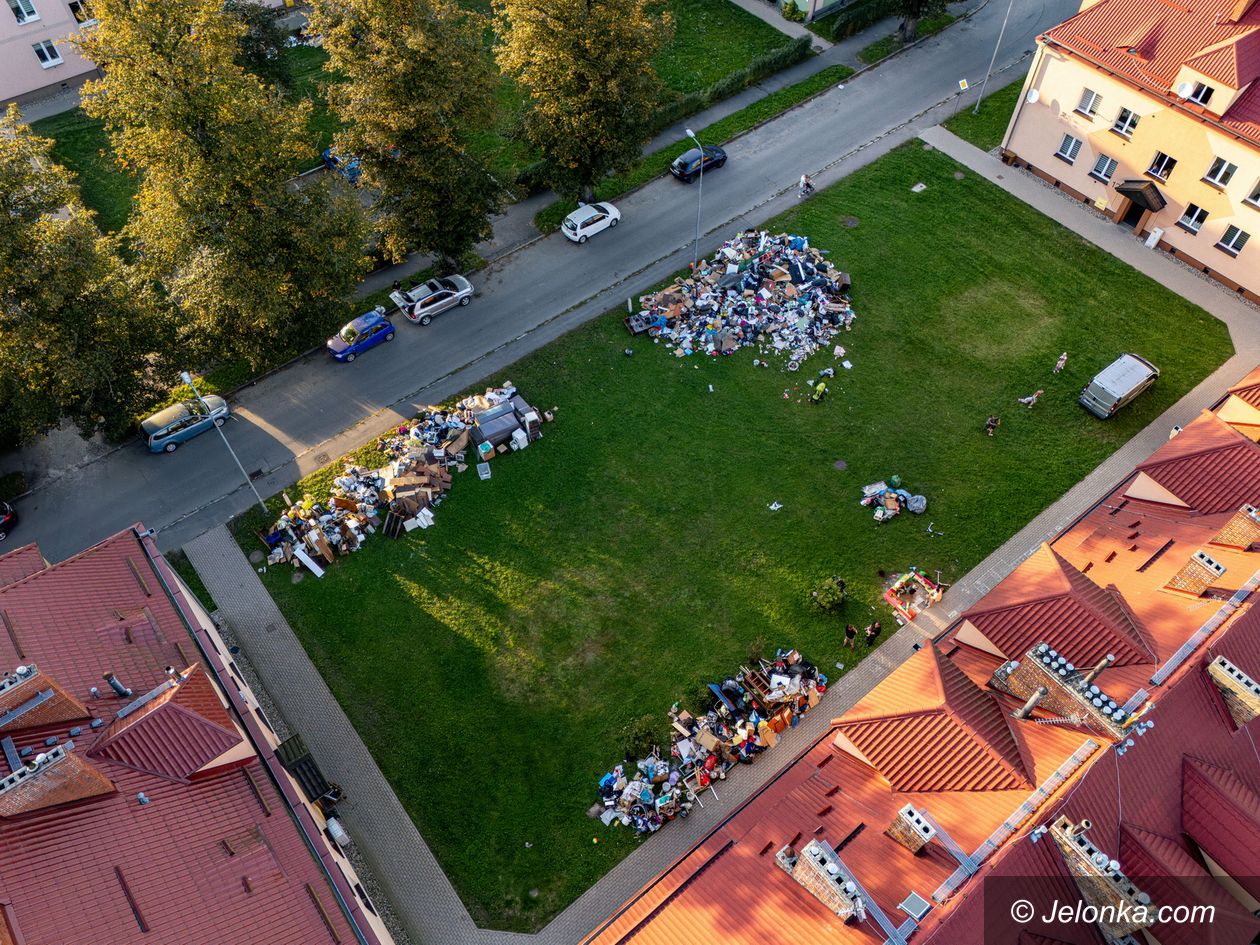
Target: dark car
pixel 8 518
pixel 686 166
pixel 364 333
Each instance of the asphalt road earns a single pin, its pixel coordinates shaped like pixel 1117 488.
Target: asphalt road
pixel 298 419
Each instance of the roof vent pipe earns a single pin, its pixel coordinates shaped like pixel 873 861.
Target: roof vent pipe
pixel 1026 709
pixel 1097 670
pixel 1076 830
pixel 119 689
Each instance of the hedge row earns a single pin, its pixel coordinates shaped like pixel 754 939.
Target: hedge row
pixel 857 16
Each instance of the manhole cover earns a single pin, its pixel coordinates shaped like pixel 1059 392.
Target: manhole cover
pixel 534 894
pixel 841 464
pixel 851 222
pixel 959 175
pixel 322 459
pixel 256 556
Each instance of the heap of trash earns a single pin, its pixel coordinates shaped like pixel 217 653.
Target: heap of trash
pixel 747 714
pixel 889 499
pixel 404 494
pixel 775 292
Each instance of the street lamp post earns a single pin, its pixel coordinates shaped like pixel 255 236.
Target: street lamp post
pixel 695 248
pixel 187 379
pixel 996 46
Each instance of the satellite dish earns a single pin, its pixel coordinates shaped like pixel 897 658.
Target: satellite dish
pixel 1185 89
pixel 1032 96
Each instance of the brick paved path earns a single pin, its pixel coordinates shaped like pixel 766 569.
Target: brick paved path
pixel 423 897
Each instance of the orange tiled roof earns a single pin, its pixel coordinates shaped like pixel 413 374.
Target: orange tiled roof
pixel 1148 41
pixel 1209 465
pixel 930 728
pixel 20 563
pixel 1247 389
pixel 1222 815
pixel 1046 596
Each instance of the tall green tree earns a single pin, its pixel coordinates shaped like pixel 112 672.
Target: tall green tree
pixel 418 83
pixel 587 67
pixel 911 12
pixel 255 264
pixel 261 47
pixel 80 337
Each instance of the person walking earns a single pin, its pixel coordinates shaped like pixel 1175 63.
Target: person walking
pixel 1031 400
pixel 872 633
pixel 992 423
pixel 850 635
pixel 1061 363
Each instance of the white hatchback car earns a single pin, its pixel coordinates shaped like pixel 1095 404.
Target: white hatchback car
pixel 589 219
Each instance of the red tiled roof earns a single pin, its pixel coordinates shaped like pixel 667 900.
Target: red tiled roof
pixel 1209 465
pixel 70 779
pixel 1046 596
pixel 63 867
pixel 1222 815
pixel 1163 868
pixel 19 563
pixel 930 728
pixel 1164 36
pixel 173 735
pixel 1248 389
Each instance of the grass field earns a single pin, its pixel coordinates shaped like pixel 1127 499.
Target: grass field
pixel 986 129
pixel 491 663
pixel 883 48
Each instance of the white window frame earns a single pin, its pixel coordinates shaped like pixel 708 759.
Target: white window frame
pixel 1125 127
pixel 83 6
pixel 1170 167
pixel 1088 105
pixel 1107 162
pixel 50 50
pixel 1224 172
pixel 24 11
pixel 1202 93
pixel 1254 197
pixel 1193 219
pixel 1233 240
pixel 1073 148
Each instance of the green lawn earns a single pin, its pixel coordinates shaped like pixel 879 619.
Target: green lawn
pixel 986 129
pixel 883 48
pixel 712 38
pixel 81 145
pixel 306 64
pixel 491 662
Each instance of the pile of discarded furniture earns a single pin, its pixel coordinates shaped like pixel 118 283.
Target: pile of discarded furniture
pixel 911 593
pixel 748 713
pixel 404 494
pixel 889 499
pixel 774 292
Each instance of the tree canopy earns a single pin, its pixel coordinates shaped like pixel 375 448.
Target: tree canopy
pixel 587 68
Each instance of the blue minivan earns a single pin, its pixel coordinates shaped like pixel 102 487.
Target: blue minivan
pixel 166 429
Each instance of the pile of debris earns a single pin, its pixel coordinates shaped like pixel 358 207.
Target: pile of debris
pixel 775 292
pixel 403 495
pixel 889 499
pixel 748 713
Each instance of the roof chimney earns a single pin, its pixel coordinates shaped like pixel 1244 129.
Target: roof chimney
pixel 1242 531
pixel 1122 908
pixel 119 689
pixel 1240 693
pixel 1071 694
pixel 911 829
pixel 1097 670
pixel 1199 573
pixel 817 869
pixel 1026 709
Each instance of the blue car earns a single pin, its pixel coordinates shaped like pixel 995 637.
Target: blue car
pixel 347 168
pixel 366 331
pixel 166 429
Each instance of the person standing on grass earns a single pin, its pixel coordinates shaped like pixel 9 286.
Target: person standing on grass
pixel 1061 363
pixel 850 635
pixel 872 633
pixel 992 423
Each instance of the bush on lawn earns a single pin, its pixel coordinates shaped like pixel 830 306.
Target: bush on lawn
pixel 642 735
pixel 857 16
pixel 829 594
